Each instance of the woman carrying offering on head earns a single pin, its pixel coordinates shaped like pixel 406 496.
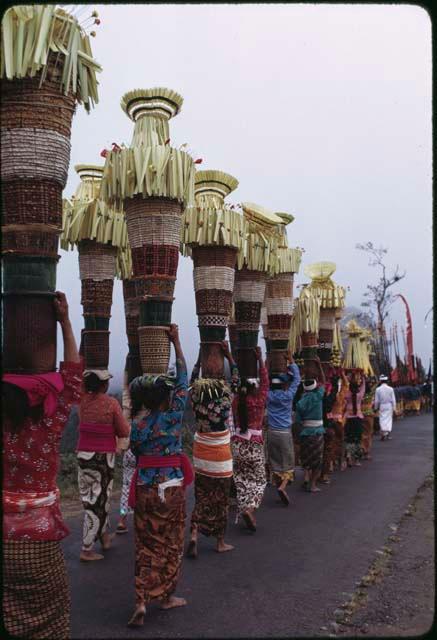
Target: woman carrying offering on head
pixel 36 409
pixel 101 422
pixel 247 444
pixel 157 492
pixel 353 430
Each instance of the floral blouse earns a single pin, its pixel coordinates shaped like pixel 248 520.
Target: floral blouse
pixel 31 464
pixel 256 405
pixel 160 433
pixel 217 414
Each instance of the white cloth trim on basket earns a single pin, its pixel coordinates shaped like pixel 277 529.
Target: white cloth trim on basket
pixel 96 267
pixel 154 229
pixel 279 306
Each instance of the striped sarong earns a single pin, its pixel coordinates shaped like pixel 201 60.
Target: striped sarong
pixel 212 454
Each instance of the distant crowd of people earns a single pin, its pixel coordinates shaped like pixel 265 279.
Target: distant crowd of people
pixel 248 432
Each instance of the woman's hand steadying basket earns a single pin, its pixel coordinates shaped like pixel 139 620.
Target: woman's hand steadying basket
pixel 71 353
pixel 173 333
pixel 61 307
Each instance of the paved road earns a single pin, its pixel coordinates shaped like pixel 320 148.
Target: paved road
pixel 286 579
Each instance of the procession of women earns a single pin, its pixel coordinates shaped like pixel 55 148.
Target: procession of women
pixel 307 399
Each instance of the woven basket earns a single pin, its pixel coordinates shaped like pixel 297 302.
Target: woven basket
pixel 324 354
pixel 208 256
pixel 153 260
pixel 137 288
pixel 213 301
pixel 212 361
pixel 277 334
pixel 154 349
pixel 249 291
pixel 213 278
pixel 213 320
pixel 96 260
pixel 233 338
pixel 95 346
pixel 279 322
pixel 279 288
pixel 34 154
pixel 327 319
pixel 281 345
pixel 132 324
pixel 134 347
pixel 311 368
pixel 326 336
pixel 247 339
pixel 160 228
pixel 248 326
pixel 155 312
pixel 247 312
pixel 29 240
pixel 133 366
pixel 29 332
pixel 96 323
pixel 309 339
pixel 139 207
pixel 26 104
pixel 212 334
pixel 247 363
pixel 279 306
pixel 29 273
pixel 277 363
pixel 248 275
pixel 309 353
pixel 31 201
pixel 97 293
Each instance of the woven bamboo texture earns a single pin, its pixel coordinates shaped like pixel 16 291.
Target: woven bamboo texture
pixel 137 288
pixel 36 240
pixel 250 275
pixel 30 201
pixel 95 345
pixel 29 273
pixel 247 363
pixel 132 324
pixel 249 291
pixel 153 260
pixel 96 297
pixel 277 362
pixel 96 323
pixel 247 326
pixel 213 278
pixel 154 349
pixel 133 366
pixel 29 333
pixel 214 257
pixel 212 360
pixel 212 320
pixel 153 228
pixel 97 265
pixel 279 306
pixel 247 312
pixel 309 339
pixel 247 339
pixel 212 334
pixel 280 288
pixel 139 208
pixel 26 104
pixel 327 319
pixel 279 322
pixel 311 369
pixel 277 334
pixel 213 301
pixel 154 312
pixel 34 154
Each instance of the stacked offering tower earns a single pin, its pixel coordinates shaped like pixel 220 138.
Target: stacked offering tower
pixel 47 67
pixel 154 182
pixel 284 264
pixel 99 232
pixel 213 234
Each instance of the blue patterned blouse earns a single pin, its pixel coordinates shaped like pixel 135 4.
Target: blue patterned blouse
pixel 160 433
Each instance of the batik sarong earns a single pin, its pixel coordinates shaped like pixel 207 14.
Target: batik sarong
pixel 249 474
pixel 129 466
pixel 281 454
pixel 96 477
pixel 36 599
pixel 159 542
pixel 210 514
pixel 366 441
pixel 311 452
pixel 353 433
pixel 328 447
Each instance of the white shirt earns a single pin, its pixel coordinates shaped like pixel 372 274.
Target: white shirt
pixel 384 395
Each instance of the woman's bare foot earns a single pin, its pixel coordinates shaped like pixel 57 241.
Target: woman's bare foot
pixel 106 540
pixel 90 556
pixel 357 464
pixel 222 546
pixel 315 490
pixel 137 619
pixel 172 602
pixel 192 548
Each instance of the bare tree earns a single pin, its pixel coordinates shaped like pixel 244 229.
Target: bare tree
pixel 378 296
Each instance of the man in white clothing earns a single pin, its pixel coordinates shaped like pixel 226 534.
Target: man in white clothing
pixel 385 402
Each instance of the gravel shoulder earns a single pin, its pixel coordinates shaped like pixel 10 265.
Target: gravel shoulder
pixel 397 595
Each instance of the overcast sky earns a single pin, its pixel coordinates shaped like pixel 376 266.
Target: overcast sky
pixel 320 111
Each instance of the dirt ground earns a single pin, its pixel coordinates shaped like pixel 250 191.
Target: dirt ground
pixel 397 596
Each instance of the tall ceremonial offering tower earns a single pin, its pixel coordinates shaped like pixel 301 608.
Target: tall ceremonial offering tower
pixel 99 232
pixel 46 69
pixel 262 226
pixel 213 233
pixel 358 348
pixel 284 264
pixel 305 332
pixel 155 182
pixel 332 297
